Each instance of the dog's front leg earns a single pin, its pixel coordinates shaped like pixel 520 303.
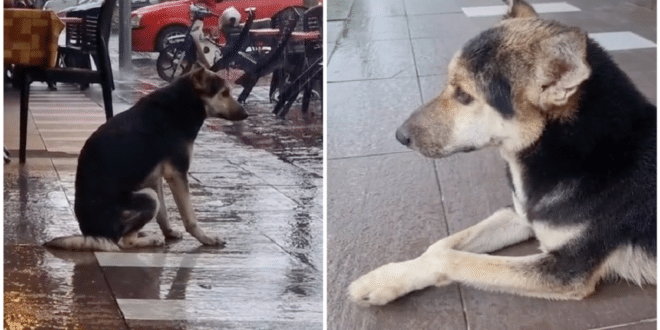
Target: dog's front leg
pixel 384 284
pixel 161 217
pixel 179 185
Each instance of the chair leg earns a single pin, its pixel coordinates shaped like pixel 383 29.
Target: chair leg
pixel 106 87
pixel 24 80
pixel 107 83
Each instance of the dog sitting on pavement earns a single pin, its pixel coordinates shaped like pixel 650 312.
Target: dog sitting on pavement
pixel 121 166
pixel 580 144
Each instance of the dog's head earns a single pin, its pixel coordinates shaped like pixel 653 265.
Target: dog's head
pixel 503 87
pixel 215 95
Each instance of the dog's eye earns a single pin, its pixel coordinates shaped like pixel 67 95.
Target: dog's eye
pixel 463 97
pixel 225 93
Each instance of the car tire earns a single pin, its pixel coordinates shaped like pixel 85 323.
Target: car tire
pixel 162 42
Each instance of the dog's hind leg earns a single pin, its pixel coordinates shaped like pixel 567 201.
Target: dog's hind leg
pixel 142 208
pixel 161 217
pixel 179 185
pixel 503 228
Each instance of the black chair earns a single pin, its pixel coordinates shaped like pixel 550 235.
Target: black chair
pixel 309 71
pixel 86 38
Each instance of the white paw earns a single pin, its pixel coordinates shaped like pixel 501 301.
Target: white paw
pixel 380 286
pixel 156 241
pixel 214 241
pixel 394 280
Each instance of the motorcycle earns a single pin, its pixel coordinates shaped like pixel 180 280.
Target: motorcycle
pixel 198 46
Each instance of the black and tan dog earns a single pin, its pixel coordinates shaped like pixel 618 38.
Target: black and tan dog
pixel 121 166
pixel 580 143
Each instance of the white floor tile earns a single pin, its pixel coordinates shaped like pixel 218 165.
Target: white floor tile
pixel 551 7
pixel 621 40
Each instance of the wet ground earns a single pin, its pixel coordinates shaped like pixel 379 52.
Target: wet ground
pixel 387 203
pixel 258 184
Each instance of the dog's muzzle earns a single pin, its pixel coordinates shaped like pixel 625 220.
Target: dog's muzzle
pixel 403 136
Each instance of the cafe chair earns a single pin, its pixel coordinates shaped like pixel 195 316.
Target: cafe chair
pixel 89 37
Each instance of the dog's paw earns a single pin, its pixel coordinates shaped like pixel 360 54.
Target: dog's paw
pixel 212 241
pixel 156 241
pixel 173 234
pixel 394 280
pixel 380 286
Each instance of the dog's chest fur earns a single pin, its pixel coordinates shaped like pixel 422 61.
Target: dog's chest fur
pixel 167 169
pixel 550 235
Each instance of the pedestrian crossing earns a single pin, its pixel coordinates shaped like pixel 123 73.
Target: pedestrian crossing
pixel 611 41
pixel 499 10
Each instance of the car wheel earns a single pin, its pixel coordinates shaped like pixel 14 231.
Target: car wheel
pixel 163 41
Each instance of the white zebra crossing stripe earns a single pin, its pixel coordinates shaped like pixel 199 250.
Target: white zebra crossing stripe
pixel 550 7
pixel 621 40
pixel 222 310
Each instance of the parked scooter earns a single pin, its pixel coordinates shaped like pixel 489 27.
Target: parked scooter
pixel 197 46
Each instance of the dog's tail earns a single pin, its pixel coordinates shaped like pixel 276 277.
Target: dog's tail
pixel 83 243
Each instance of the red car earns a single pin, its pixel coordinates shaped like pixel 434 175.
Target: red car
pixel 152 25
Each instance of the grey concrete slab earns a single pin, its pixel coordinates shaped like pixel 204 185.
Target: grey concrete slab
pixel 473 185
pixel 377 28
pixel 610 306
pixel 454 24
pixel 433 55
pixel 424 7
pixel 384 209
pixel 374 108
pixel 377 8
pixel 381 59
pixel 333 32
pixel 339 9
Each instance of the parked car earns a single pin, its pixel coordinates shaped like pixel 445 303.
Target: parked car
pixel 73 5
pixel 153 25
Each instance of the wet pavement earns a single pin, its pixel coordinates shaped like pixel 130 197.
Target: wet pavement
pixel 258 184
pixel 386 203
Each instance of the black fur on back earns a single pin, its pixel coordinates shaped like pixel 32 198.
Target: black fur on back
pixel 123 151
pixel 608 154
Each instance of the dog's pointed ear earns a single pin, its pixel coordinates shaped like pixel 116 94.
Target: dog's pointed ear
pixel 198 75
pixel 519 9
pixel 562 67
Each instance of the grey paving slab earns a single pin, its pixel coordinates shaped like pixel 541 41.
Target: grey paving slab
pixel 473 185
pixel 62 291
pixel 610 306
pixel 374 108
pixel 441 25
pixel 433 55
pixel 339 9
pixel 377 28
pixel 423 7
pixel 381 59
pixel 431 86
pixel 377 8
pixel 384 209
pixel 334 32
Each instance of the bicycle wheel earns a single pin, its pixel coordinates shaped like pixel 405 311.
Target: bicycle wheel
pixel 174 61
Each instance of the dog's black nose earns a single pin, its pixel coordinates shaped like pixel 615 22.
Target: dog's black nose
pixel 403 136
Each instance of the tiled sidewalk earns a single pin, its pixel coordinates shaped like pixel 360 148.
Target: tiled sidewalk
pixel 387 203
pixel 258 184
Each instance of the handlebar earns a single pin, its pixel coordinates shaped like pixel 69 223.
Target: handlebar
pixel 199 12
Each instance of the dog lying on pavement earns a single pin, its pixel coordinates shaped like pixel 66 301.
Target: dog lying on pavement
pixel 122 164
pixel 580 144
